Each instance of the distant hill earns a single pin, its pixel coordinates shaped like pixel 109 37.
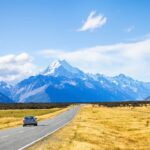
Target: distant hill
pixel 61 82
pixel 148 98
pixel 5 99
pixel 5 88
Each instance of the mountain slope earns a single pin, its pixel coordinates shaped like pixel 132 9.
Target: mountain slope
pixel 5 99
pixel 61 89
pixel 5 88
pixel 61 82
pixel 62 68
pixel 148 98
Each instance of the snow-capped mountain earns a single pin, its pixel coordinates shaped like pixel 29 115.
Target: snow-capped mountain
pixel 148 98
pixel 5 92
pixel 5 88
pixel 133 89
pixel 61 82
pixel 62 68
pixel 4 99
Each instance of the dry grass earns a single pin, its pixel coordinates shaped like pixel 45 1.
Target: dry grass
pixel 102 128
pixel 12 118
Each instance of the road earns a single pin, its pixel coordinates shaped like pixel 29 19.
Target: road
pixel 20 137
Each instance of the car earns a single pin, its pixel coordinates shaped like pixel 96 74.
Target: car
pixel 30 120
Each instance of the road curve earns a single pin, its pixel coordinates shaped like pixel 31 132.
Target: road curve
pixel 20 137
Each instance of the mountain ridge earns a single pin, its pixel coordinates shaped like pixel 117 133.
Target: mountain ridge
pixel 62 68
pixel 5 99
pixel 61 82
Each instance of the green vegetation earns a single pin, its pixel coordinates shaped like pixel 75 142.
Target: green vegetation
pixel 33 105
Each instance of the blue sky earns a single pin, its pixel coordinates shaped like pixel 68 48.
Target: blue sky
pixel 45 30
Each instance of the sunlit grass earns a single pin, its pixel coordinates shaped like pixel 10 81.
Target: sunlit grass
pixel 11 118
pixel 103 128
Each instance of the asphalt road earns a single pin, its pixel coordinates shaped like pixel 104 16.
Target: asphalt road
pixel 20 137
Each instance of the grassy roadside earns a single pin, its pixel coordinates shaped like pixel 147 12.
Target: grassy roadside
pixel 102 128
pixel 12 118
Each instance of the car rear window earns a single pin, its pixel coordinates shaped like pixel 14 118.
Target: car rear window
pixel 30 117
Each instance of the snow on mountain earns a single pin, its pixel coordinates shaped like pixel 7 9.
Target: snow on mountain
pixel 62 68
pixel 133 89
pixel 5 92
pixel 61 82
pixel 5 88
pixel 137 89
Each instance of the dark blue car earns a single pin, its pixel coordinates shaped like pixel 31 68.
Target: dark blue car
pixel 30 120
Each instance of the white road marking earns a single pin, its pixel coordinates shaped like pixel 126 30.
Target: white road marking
pixel 5 136
pixel 22 148
pixel 20 131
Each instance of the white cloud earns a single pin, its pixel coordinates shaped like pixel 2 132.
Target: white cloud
pixel 16 67
pixel 130 29
pixel 93 21
pixel 129 58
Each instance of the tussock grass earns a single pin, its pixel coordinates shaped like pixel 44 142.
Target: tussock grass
pixel 12 118
pixel 103 128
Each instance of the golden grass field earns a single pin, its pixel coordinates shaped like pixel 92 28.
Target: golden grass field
pixel 102 128
pixel 12 118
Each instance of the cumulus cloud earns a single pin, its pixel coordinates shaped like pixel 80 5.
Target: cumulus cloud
pixel 132 59
pixel 93 21
pixel 14 68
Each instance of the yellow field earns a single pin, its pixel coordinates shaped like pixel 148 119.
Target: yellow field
pixel 103 128
pixel 11 118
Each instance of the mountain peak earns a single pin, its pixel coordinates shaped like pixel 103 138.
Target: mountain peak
pixel 59 63
pixel 123 77
pixel 62 68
